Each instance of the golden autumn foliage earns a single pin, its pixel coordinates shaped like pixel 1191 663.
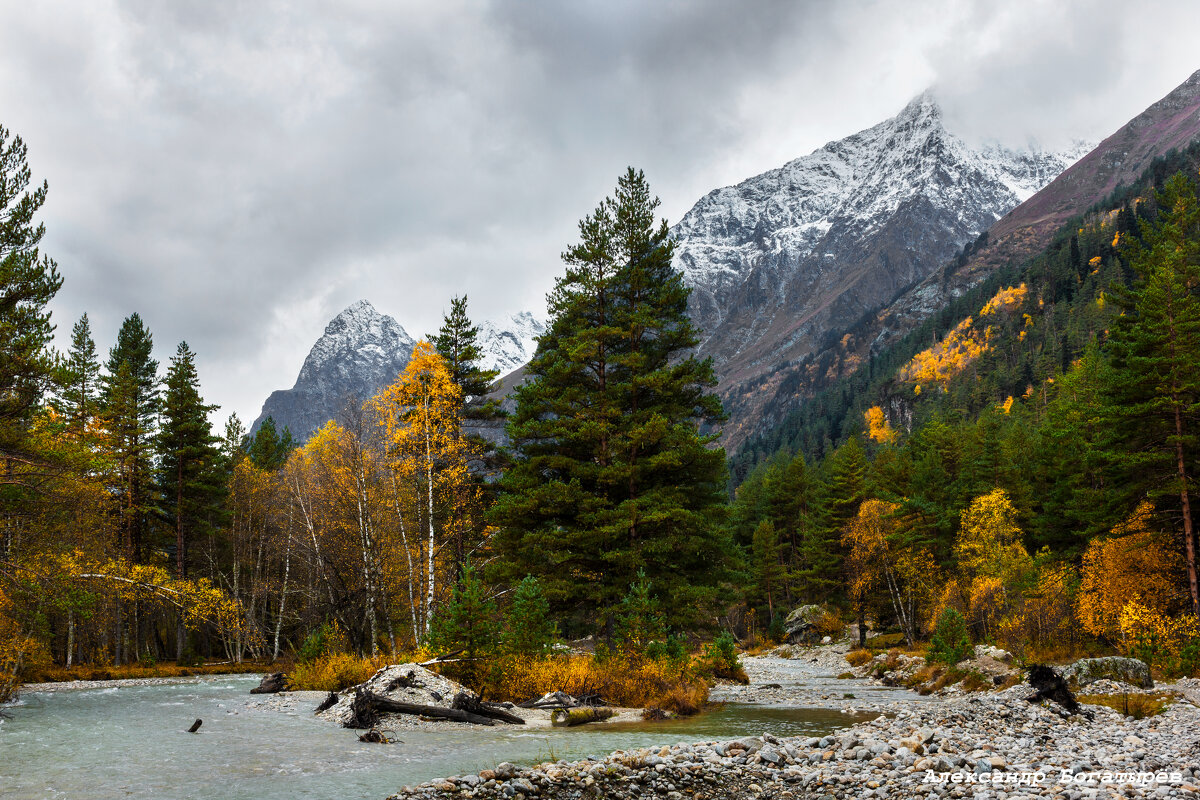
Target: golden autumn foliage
pixel 878 427
pixel 989 541
pixel 633 683
pixel 962 345
pixel 1137 565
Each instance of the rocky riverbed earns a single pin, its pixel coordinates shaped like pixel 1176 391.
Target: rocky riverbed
pixel 993 744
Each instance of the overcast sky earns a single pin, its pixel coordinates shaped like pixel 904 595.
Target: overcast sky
pixel 238 172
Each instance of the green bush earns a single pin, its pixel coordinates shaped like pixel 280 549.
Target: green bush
pixel 720 656
pixel 319 642
pixel 950 643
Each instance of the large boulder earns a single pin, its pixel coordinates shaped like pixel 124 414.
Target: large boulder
pixel 1113 668
pixel 801 625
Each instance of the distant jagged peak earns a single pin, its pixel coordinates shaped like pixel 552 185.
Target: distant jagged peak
pixel 362 316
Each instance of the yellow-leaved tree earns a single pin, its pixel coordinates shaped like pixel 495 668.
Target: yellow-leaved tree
pixel 435 501
pixel 876 558
pixel 993 563
pixel 1136 565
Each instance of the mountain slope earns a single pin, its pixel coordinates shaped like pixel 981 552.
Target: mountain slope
pixel 363 350
pixel 360 351
pixel 781 264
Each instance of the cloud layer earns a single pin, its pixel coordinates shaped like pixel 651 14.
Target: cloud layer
pixel 239 172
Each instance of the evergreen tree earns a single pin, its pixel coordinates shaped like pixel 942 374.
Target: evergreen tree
pixel 467 623
pixel 28 281
pixel 267 448
pixel 528 629
pixel 820 555
pixel 456 342
pixel 189 480
pixel 79 378
pixel 130 404
pixel 767 573
pixel 1153 386
pixel 612 475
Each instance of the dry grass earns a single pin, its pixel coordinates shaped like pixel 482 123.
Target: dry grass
pixel 856 658
pixel 1137 705
pixel 632 683
pixel 334 672
pixel 93 672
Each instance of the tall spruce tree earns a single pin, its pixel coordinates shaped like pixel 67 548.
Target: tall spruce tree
pixel 612 476
pixel 457 342
pixel 189 481
pixel 130 404
pixel 1153 385
pixel 28 281
pixel 77 396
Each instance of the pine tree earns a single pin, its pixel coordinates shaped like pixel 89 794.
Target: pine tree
pixel 820 554
pixel 612 475
pixel 528 628
pixel 1153 385
pixel 77 397
pixel 28 281
pixel 457 343
pixel 130 403
pixel 467 623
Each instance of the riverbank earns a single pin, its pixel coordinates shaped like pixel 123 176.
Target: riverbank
pixel 993 744
pixel 956 747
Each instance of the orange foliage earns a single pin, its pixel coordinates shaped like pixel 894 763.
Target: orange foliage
pixel 1138 565
pixel 878 428
pixel 962 345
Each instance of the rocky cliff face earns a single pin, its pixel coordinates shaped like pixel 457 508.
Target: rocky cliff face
pixel 785 262
pixel 363 350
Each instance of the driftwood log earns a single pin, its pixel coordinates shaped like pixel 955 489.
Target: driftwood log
pixel 196 726
pixel 367 707
pixel 464 701
pixel 271 684
pixel 570 717
pixel 1049 685
pixel 556 701
pixel 329 702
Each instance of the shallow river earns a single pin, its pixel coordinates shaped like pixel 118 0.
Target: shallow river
pixel 130 742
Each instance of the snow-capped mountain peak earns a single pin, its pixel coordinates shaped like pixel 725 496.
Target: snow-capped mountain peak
pixel 363 350
pixel 783 260
pixel 509 343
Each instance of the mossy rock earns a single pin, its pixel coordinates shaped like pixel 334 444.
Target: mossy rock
pixel 1113 668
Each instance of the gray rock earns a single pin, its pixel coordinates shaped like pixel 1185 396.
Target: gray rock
pixel 1115 668
pixel 800 625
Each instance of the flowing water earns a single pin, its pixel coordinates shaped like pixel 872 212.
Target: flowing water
pixel 131 742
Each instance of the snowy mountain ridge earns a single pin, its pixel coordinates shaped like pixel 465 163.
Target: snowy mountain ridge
pixel 784 260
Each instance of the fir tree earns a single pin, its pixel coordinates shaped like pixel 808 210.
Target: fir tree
pixel 130 403
pixel 77 398
pixel 457 343
pixel 467 623
pixel 28 281
pixel 766 572
pixel 189 481
pixel 612 475
pixel 1153 386
pixel 267 448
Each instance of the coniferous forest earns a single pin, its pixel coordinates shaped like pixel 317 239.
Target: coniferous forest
pixel 1025 460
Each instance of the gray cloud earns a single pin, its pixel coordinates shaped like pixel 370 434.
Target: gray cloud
pixel 238 172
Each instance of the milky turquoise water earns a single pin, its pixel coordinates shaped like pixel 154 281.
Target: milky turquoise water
pixel 130 742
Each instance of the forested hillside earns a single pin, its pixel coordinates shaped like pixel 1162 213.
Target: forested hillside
pixel 1026 457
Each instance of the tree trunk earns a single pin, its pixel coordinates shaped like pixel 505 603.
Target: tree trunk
pixel 1189 536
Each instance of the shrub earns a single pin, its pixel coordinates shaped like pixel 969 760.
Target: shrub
pixel 333 672
pixel 950 643
pixel 721 659
pixel 856 658
pixel 830 625
pixel 324 639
